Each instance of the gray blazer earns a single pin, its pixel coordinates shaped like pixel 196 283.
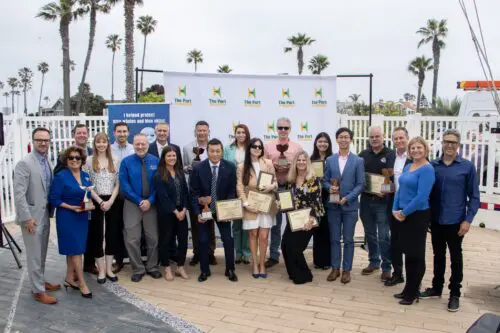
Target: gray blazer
pixel 29 190
pixel 187 153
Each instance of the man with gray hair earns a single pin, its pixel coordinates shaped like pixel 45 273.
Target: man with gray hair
pixel 374 206
pixel 136 183
pixel 281 152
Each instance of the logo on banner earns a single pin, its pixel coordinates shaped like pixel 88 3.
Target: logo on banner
pixel 231 135
pixel 270 132
pixel 217 99
pixel 181 98
pixel 318 101
pixel 286 101
pixel 251 101
pixel 304 132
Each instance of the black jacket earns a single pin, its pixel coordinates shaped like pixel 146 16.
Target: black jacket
pixel 166 194
pixel 153 150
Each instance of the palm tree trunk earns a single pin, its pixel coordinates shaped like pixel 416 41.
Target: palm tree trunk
pixel 143 57
pixel 436 56
pixel 93 23
pixel 300 59
pixel 25 106
pixel 195 66
pixel 64 32
pixel 41 92
pixel 12 94
pixel 129 49
pixel 113 77
pixel 419 94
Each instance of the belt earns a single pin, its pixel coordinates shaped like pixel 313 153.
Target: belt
pixel 374 197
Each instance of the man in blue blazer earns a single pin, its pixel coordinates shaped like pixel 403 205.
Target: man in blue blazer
pixel 348 169
pixel 211 180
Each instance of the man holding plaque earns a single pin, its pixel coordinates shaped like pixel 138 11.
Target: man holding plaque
pixel 193 153
pixel 344 180
pixel 281 152
pixel 211 180
pixel 374 204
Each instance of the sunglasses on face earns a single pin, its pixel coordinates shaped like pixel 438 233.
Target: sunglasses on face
pixel 74 158
pixel 259 147
pixel 283 128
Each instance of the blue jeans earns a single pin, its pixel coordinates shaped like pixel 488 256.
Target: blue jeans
pixel 342 223
pixel 274 248
pixel 374 215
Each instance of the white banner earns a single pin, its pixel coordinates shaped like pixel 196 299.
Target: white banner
pixel 226 100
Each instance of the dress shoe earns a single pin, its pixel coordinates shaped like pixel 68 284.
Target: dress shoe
pixel 203 277
pixel 346 277
pixel 137 277
pixel 112 278
pixel 231 275
pixel 385 276
pixel 44 298
pixel 155 274
pixel 212 260
pixel 394 280
pixel 400 295
pixel 369 270
pixel 408 301
pixel 271 262
pixel 52 287
pixel 334 274
pixel 117 266
pixel 194 261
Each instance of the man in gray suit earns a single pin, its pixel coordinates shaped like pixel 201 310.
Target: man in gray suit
pixel 32 178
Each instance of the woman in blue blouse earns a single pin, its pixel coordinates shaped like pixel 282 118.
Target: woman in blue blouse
pixel 411 209
pixel 66 195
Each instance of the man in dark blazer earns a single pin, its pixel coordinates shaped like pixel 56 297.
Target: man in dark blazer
pixel 162 131
pixel 211 180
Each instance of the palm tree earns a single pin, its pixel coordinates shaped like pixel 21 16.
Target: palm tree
pixel 299 42
pixel 26 80
pixel 224 69
pixel 418 67
pixel 6 95
pixel 43 67
pixel 129 6
pixel 195 56
pixel 355 103
pixel 113 43
pixel 318 63
pixel 146 24
pixel 434 32
pixel 65 12
pixel 13 83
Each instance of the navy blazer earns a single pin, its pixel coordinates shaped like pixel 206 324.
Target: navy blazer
pixel 352 180
pixel 166 194
pixel 153 150
pixel 200 182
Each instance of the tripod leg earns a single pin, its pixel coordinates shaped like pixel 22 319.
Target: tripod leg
pixel 5 232
pixel 8 235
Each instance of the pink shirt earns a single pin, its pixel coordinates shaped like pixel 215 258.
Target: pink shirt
pixel 273 154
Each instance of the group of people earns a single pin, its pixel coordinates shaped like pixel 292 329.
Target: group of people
pixel 140 196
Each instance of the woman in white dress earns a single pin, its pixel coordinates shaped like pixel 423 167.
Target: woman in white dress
pixel 257 223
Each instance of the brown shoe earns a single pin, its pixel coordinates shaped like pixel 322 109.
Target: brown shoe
pixel 369 270
pixel 334 274
pixel 346 277
pixel 52 287
pixel 44 298
pixel 385 276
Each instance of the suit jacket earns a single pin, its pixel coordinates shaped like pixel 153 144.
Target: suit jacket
pixel 153 150
pixel 242 190
pixel 166 194
pixel 187 152
pixel 30 192
pixel 352 180
pixel 201 179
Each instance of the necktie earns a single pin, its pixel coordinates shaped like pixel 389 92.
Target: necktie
pixel 145 180
pixel 46 172
pixel 213 189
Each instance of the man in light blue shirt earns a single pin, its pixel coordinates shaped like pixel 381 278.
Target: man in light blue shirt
pixel 121 148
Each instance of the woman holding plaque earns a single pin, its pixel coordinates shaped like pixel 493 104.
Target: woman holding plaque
pixel 411 209
pixel 172 202
pixel 235 154
pixel 257 223
pixel 321 236
pixel 306 189
pixel 67 192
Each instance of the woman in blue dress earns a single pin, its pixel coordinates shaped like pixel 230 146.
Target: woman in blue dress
pixel 66 195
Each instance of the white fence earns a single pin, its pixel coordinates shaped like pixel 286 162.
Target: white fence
pixel 478 144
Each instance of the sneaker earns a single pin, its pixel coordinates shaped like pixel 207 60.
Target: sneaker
pixel 454 304
pixel 429 293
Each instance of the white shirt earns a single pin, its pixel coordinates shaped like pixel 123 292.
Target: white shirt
pixel 160 147
pixel 342 162
pixel 216 170
pixel 399 165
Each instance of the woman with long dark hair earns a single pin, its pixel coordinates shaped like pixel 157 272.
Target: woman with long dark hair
pixel 235 154
pixel 257 223
pixel 321 236
pixel 172 202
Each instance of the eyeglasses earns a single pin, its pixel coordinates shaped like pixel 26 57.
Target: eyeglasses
pixel 283 128
pixel 41 140
pixel 259 147
pixel 450 143
pixel 74 158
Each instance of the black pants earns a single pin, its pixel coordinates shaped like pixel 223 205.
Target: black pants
pixel 413 233
pixel 171 230
pixel 204 239
pixel 442 236
pixel 121 252
pixel 293 245
pixel 321 243
pixel 194 235
pixel 396 252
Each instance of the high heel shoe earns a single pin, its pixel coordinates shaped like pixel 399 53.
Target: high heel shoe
pixel 87 295
pixel 112 278
pixel 66 284
pixel 407 301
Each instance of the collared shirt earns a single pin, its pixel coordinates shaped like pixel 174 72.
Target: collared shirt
pixel 343 162
pixel 399 165
pixel 455 196
pixel 161 147
pixel 121 152
pixel 130 177
pixel 375 162
pixel 44 165
pixel 272 153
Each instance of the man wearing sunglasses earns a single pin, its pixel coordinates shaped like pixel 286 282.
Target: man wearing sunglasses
pixel 284 127
pixel 454 202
